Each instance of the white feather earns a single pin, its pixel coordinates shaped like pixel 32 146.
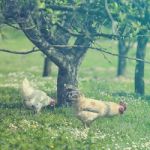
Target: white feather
pixel 34 98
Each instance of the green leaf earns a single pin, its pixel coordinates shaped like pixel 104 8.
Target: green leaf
pixel 71 40
pixel 41 4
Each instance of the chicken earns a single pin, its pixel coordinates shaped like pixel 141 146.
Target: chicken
pixel 33 98
pixel 87 110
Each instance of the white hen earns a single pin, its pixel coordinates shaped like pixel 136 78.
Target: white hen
pixel 33 98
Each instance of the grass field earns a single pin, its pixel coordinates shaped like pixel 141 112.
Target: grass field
pixel 20 129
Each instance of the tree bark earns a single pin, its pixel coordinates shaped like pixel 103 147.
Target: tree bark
pixel 121 59
pixel 65 77
pixel 47 67
pixel 123 47
pixel 139 69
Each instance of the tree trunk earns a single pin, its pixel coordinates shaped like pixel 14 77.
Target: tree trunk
pixel 139 69
pixel 65 77
pixel 47 67
pixel 121 59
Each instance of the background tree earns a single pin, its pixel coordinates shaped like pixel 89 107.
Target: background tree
pixel 119 12
pixel 135 16
pixel 139 69
pixel 141 16
pixel 47 67
pixel 123 48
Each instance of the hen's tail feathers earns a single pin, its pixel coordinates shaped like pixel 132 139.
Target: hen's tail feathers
pixel 26 87
pixel 26 82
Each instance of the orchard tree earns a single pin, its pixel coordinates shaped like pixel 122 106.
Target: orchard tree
pixel 120 11
pixel 47 68
pixel 139 16
pixel 62 30
pixel 123 49
pixel 141 9
pixel 133 16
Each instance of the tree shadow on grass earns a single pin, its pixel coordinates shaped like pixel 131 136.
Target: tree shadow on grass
pixel 125 94
pixel 11 105
pixel 134 95
pixel 10 98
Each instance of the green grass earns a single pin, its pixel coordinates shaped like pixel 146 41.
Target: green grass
pixel 60 129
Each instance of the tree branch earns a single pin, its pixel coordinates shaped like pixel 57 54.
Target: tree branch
pixel 74 46
pixel 104 35
pixel 10 25
pixel 104 50
pixel 128 44
pixel 109 36
pixel 20 52
pixel 73 8
pixel 109 61
pixel 23 17
pixel 114 23
pixel 35 36
pixel 68 30
pixel 62 8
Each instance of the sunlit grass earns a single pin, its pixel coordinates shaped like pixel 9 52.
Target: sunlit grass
pixel 21 129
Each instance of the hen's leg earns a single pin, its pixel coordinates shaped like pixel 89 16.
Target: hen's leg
pixel 86 125
pixel 38 109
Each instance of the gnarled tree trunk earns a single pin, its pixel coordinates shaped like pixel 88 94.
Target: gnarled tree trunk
pixel 65 77
pixel 47 67
pixel 139 69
